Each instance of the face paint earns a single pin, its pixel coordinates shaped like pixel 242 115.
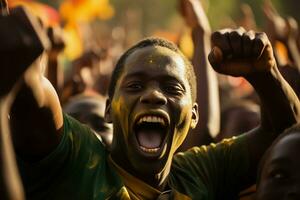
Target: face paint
pixel 151 110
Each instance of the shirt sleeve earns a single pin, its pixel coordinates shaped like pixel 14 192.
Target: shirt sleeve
pixel 221 168
pixel 77 159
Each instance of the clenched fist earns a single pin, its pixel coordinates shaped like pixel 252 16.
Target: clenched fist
pixel 22 40
pixel 241 53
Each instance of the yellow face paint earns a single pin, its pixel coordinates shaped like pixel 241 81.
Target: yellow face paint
pixel 153 83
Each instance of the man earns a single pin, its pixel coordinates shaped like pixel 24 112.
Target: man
pixel 152 106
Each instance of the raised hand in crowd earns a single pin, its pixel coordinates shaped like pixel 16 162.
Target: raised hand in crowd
pixel 207 92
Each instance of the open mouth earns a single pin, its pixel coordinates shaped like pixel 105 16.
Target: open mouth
pixel 151 132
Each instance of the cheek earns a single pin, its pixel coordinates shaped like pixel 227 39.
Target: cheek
pixel 117 105
pixel 184 116
pixel 269 191
pixel 120 113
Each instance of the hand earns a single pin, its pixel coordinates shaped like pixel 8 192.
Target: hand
pixel 21 42
pixel 292 28
pixel 241 53
pixel 247 19
pixel 279 28
pixel 56 38
pixel 194 14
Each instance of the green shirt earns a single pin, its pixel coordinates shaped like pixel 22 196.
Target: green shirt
pixel 79 168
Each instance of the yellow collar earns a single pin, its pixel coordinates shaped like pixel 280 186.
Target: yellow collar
pixel 138 189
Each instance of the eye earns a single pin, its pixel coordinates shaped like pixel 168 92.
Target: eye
pixel 134 86
pixel 173 88
pixel 279 175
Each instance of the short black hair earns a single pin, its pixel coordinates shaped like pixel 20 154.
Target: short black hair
pixel 190 73
pixel 295 129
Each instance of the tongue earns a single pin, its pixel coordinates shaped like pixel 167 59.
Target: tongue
pixel 149 138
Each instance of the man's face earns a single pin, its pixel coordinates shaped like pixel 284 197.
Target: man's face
pixel 280 178
pixel 151 110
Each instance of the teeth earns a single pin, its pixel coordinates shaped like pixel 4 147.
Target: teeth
pixel 149 150
pixel 153 119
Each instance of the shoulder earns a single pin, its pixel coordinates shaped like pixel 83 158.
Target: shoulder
pixel 216 168
pixel 226 145
pixel 80 133
pixel 203 159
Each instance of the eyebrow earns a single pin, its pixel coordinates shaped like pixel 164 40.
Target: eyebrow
pixel 144 75
pixel 280 160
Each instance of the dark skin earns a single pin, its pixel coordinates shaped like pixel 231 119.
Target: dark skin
pixel 283 30
pixel 235 53
pixel 254 53
pixel 77 83
pixel 162 91
pixel 55 72
pixel 247 19
pixel 22 41
pixel 207 84
pixel 280 178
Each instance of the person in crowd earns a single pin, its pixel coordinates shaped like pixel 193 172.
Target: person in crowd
pixel 89 109
pixel 207 83
pixel 54 70
pixel 279 175
pixel 283 35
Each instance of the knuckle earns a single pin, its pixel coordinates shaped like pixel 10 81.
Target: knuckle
pixel 216 36
pixel 235 34
pixel 225 30
pixel 241 30
pixel 259 43
pixel 248 37
pixel 251 34
pixel 263 36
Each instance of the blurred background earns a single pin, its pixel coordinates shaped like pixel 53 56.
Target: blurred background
pixel 135 19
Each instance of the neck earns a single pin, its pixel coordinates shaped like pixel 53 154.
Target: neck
pixel 155 180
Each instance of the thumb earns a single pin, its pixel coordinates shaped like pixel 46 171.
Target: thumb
pixel 215 57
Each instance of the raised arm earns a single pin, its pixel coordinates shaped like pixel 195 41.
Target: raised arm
pixel 22 41
pixel 283 30
pixel 207 92
pixel 35 117
pixel 54 70
pixel 250 55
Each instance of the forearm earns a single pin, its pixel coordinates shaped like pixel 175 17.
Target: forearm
pixel 280 105
pixel 293 52
pixel 55 75
pixel 279 110
pixel 36 117
pixel 207 93
pixel 10 182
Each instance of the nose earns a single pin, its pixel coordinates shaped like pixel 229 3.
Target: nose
pixel 294 191
pixel 153 96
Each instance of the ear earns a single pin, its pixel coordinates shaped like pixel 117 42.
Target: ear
pixel 195 116
pixel 107 114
